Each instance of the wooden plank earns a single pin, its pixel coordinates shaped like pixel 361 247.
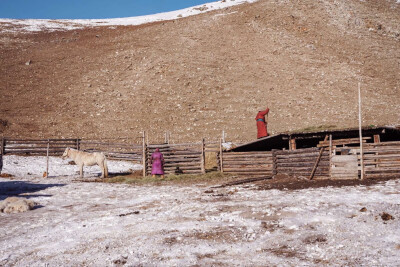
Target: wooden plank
pixel 382 157
pixel 237 170
pixel 373 168
pixel 221 156
pixel 250 153
pixel 310 164
pixel 337 143
pixel 269 166
pixel 305 157
pixel 382 144
pixel 13 140
pixel 3 145
pixel 304 160
pixel 160 146
pixel 297 151
pixel 203 157
pixel 318 159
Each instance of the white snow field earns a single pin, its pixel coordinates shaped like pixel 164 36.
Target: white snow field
pixel 97 224
pixel 35 25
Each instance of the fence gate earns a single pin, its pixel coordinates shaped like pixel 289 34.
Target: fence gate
pixel 344 166
pixel 179 158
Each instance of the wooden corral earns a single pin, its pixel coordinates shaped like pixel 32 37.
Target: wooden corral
pixel 317 155
pixel 328 154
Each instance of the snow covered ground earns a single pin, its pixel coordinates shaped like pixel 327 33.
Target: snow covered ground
pixel 34 25
pixel 100 224
pixel 35 167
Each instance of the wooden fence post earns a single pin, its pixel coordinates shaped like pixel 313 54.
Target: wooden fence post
pixel 1 154
pixel 360 131
pixel 203 157
pixel 220 156
pixel 292 144
pixel 77 144
pixel 3 146
pixel 330 155
pixel 274 164
pixel 144 158
pixel 47 157
pixel 377 138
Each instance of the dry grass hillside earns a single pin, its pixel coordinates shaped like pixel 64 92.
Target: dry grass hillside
pixel 199 75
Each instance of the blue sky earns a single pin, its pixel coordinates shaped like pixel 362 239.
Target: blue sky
pixel 89 9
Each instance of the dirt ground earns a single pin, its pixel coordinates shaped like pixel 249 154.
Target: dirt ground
pixel 293 183
pixel 199 75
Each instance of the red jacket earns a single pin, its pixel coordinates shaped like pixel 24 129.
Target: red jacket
pixel 262 124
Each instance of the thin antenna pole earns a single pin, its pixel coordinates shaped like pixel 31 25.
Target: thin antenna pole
pixel 360 130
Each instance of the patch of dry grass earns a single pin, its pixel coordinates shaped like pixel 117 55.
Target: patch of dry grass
pixel 209 178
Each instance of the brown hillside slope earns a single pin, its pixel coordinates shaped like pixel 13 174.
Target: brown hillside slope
pixel 199 75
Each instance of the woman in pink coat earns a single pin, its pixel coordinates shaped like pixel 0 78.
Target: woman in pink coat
pixel 157 163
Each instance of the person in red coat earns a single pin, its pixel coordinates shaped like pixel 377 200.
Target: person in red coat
pixel 261 123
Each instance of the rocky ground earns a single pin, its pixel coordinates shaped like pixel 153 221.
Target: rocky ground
pixel 199 75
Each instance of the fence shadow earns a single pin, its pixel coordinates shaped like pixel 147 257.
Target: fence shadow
pixel 20 188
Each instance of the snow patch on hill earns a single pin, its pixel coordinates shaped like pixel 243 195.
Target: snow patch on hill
pixel 35 25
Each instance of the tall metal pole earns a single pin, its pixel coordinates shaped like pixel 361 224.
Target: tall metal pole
pixel 360 130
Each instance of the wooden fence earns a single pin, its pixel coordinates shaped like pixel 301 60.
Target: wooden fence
pixel 341 161
pixel 56 147
pixel 300 162
pixel 115 151
pixel 179 158
pixel 382 160
pixel 258 163
pixel 37 147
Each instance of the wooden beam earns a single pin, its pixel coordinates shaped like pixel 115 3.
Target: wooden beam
pixel 47 160
pixel 144 155
pixel 377 138
pixel 318 159
pixel 3 146
pixel 330 155
pixel 203 157
pixel 292 144
pixel 360 131
pixel 220 156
